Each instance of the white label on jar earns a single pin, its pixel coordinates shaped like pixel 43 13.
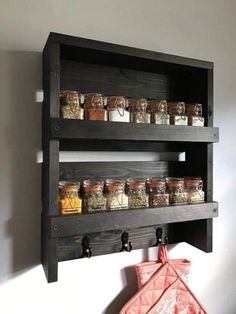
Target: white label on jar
pixel 117 115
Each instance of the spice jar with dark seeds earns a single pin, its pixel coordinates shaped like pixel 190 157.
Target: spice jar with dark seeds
pixel 176 190
pixel 158 111
pixel 194 189
pixel 156 188
pixel 115 194
pixel 116 108
pixel 93 200
pixel 94 107
pixel 137 108
pixel 176 111
pixel 71 105
pixel 70 202
pixel 137 195
pixel 194 113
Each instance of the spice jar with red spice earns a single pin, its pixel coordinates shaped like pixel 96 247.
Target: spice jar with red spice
pixel 176 111
pixel 156 188
pixel 194 189
pixel 115 194
pixel 116 108
pixel 137 108
pixel 93 200
pixel 71 105
pixel 194 113
pixel 70 202
pixel 94 107
pixel 176 190
pixel 158 111
pixel 137 195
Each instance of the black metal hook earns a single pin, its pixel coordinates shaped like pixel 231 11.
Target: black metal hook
pixel 87 250
pixel 159 233
pixel 126 245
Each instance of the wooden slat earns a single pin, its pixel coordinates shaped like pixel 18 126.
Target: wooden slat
pixel 110 80
pixel 102 170
pixel 110 241
pixel 129 219
pixel 76 129
pixel 124 50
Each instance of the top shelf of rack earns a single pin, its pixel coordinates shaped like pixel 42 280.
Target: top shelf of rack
pixel 99 130
pixel 71 44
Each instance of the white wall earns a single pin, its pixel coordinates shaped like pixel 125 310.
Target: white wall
pixel 203 29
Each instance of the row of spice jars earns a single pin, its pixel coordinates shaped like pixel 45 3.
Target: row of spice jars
pixel 120 109
pixel 115 194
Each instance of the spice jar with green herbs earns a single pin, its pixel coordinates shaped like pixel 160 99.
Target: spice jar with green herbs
pixel 176 190
pixel 137 108
pixel 137 195
pixel 194 189
pixel 115 194
pixel 94 200
pixel 70 105
pixel 156 188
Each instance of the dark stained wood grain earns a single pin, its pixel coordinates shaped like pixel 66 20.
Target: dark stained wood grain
pixel 88 78
pixel 79 171
pixel 79 129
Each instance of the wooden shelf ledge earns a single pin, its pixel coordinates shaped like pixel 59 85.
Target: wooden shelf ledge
pixel 107 130
pixel 64 226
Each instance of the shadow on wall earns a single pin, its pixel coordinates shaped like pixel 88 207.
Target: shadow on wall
pixel 20 140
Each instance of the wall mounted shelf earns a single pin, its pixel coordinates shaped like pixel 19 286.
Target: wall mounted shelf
pixel 71 63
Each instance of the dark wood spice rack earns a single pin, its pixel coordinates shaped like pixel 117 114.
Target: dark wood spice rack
pixel 92 66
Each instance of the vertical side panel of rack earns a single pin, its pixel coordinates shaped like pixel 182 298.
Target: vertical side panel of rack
pixel 50 167
pixel 199 158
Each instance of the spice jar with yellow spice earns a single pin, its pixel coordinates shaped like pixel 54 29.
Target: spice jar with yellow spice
pixel 137 195
pixel 94 107
pixel 194 189
pixel 93 200
pixel 158 111
pixel 71 105
pixel 137 108
pixel 70 202
pixel 115 194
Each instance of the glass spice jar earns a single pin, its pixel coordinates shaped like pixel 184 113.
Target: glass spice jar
pixel 158 111
pixel 137 196
pixel 70 105
pixel 137 108
pixel 194 113
pixel 94 107
pixel 116 107
pixel 176 190
pixel 70 202
pixel 94 200
pixel 115 194
pixel 176 111
pixel 193 188
pixel 156 188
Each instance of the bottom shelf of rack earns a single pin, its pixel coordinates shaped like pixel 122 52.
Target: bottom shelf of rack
pixel 71 225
